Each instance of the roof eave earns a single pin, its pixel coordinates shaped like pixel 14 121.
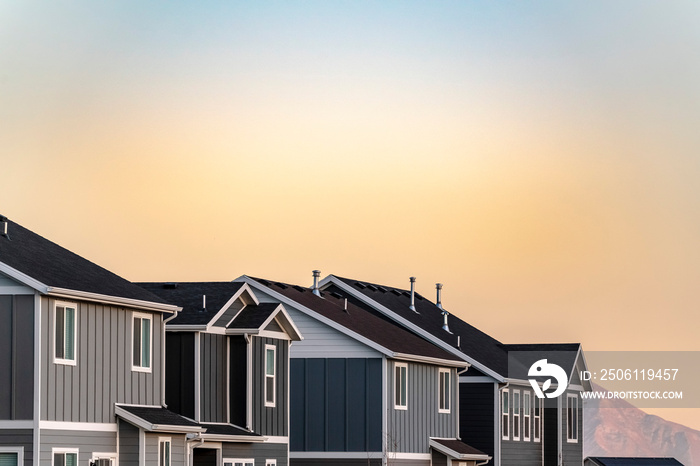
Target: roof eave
pixel 129 302
pixel 461 456
pixel 430 360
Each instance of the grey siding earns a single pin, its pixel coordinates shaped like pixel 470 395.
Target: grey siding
pixel 476 416
pixel 270 421
pixel 520 452
pixel 370 461
pixel 213 378
pixel 179 372
pixel 19 438
pixel 336 405
pixel 102 376
pixel 438 459
pixel 259 452
pixel 572 452
pixel 85 442
pixel 177 448
pixel 16 357
pixel 409 431
pixel 128 444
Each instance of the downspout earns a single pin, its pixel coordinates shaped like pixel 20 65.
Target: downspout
pixel 191 447
pixel 482 464
pixel 499 418
pixel 249 384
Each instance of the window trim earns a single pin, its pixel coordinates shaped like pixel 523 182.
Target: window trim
pixel 238 460
pixel 140 315
pixel 574 428
pixel 516 417
pixel 169 441
pixel 64 361
pixel 537 420
pixel 505 397
pixel 448 387
pixel 104 456
pixel 65 451
pixel 400 365
pixel 271 462
pixel 527 416
pixel 273 403
pixel 18 450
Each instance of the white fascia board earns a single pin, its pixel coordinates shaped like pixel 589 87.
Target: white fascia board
pixel 453 454
pixel 232 438
pixel 477 379
pixel 429 360
pixel 236 295
pixel 23 278
pixel 410 325
pixel 289 323
pixel 185 328
pixel 128 302
pixel 379 348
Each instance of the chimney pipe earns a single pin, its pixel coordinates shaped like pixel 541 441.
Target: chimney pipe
pixel 3 226
pixel 445 327
pixel 317 275
pixel 204 302
pixel 438 287
pixel 413 295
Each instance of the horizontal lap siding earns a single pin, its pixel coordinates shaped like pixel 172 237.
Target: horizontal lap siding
pixel 19 438
pixel 177 448
pixel 86 442
pixel 370 461
pixel 102 376
pixel 259 452
pixel 16 357
pixel 213 377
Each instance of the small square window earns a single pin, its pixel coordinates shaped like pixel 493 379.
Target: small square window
pixel 65 457
pixel 401 386
pixel 444 391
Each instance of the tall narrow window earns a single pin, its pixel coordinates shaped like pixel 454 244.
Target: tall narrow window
pixel 572 418
pixel 505 418
pixel 65 457
pixel 164 452
pixel 64 333
pixel 270 374
pixel 444 391
pixel 526 415
pixel 537 431
pixel 141 353
pixel 516 414
pixel 400 386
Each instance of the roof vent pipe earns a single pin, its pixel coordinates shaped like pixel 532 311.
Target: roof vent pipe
pixel 3 226
pixel 413 295
pixel 204 302
pixel 445 327
pixel 438 287
pixel 317 275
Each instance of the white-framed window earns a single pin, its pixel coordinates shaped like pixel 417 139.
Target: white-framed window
pixel 65 331
pixel 270 462
pixel 164 445
pixel 270 375
pixel 104 459
pixel 572 418
pixel 239 462
pixel 527 415
pixel 142 332
pixel 64 457
pixel 444 391
pixel 11 456
pixel 400 385
pixel 516 414
pixel 505 418
pixel 537 428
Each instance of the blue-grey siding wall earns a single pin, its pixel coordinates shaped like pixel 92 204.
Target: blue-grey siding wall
pixel 259 452
pixel 409 430
pixel 336 404
pixel 213 389
pixel 128 444
pixel 85 442
pixel 476 416
pixel 19 438
pixel 520 452
pixel 177 448
pixel 16 357
pixel 102 376
pixel 179 372
pixel 270 421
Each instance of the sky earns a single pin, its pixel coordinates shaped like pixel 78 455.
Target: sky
pixel 540 159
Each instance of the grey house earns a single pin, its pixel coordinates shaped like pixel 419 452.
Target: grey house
pixel 81 362
pixel 364 390
pixel 499 412
pixel 227 369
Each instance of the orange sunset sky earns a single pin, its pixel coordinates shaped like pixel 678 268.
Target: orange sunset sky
pixel 542 160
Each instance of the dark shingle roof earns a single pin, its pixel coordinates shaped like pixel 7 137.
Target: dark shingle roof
pixel 227 429
pixel 619 461
pixel 253 316
pixel 58 267
pixel 522 355
pixel 159 416
pixel 188 295
pixel 459 447
pixel 360 321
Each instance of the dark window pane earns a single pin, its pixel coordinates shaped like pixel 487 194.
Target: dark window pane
pixel 60 328
pixel 137 342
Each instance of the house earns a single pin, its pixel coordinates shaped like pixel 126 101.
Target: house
pixel 227 368
pixel 500 411
pixel 81 362
pixel 365 390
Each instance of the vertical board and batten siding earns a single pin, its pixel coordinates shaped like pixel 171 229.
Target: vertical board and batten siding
pixel 177 448
pixel 321 340
pixel 19 438
pixel 409 430
pixel 336 405
pixel 270 420
pixel 257 451
pixel 102 375
pixel 128 444
pixel 179 372
pixel 213 362
pixel 476 416
pixel 572 453
pixel 16 357
pixel 520 452
pixel 86 442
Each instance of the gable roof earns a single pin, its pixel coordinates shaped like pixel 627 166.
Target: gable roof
pixel 620 461
pixel 52 269
pixel 254 316
pixel 397 340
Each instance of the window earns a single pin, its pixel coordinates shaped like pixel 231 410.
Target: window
pixel 400 386
pixel 572 418
pixel 537 431
pixel 163 451
pixel 65 457
pixel 527 408
pixel 103 459
pixel 505 408
pixel 239 462
pixel 11 456
pixel 516 414
pixel 270 462
pixel 270 371
pixel 64 333
pixel 444 391
pixel 141 352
